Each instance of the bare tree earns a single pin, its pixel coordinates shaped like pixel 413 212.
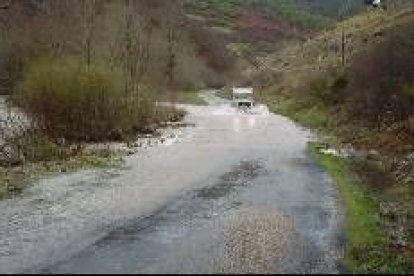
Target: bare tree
pixel 88 16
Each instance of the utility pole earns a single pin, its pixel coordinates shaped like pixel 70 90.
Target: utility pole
pixel 88 22
pixel 343 12
pixel 343 46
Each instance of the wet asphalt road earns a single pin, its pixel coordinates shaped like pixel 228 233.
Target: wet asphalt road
pixel 237 193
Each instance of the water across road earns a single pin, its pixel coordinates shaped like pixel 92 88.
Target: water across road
pixel 236 193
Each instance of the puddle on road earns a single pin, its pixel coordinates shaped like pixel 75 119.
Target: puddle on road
pixel 240 176
pixel 221 228
pixel 148 238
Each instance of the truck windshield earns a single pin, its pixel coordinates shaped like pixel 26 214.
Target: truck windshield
pixel 245 96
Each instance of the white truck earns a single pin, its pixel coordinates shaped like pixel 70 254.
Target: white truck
pixel 243 97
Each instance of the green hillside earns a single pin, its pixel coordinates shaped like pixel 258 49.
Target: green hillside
pixel 331 8
pixel 305 13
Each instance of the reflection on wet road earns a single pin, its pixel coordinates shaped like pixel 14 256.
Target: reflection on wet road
pixel 236 193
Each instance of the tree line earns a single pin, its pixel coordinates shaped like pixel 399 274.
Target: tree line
pixel 87 70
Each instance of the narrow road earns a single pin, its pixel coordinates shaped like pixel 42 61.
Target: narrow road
pixel 236 193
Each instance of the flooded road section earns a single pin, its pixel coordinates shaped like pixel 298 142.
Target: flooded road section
pixel 236 193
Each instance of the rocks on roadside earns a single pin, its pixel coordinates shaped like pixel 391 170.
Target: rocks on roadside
pixel 165 136
pixel 10 155
pixel 404 171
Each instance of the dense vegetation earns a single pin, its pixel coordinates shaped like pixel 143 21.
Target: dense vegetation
pixel 91 71
pixel 373 88
pixel 364 100
pixel 81 103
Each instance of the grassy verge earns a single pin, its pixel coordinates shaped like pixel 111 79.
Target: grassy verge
pixel 314 117
pixel 374 205
pixel 366 244
pixel 14 179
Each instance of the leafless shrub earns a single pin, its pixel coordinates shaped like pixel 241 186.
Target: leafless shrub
pixel 382 79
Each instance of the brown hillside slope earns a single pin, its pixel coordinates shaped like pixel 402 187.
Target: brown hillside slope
pixel 366 103
pixel 256 26
pixel 324 50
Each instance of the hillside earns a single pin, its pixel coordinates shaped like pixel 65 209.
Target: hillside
pixel 323 50
pixel 330 9
pixel 258 27
pixel 364 102
pixel 304 13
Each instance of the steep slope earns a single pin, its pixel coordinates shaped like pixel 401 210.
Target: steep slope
pixel 258 27
pixel 305 13
pixel 324 49
pixel 366 103
pixel 331 8
pixel 304 72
